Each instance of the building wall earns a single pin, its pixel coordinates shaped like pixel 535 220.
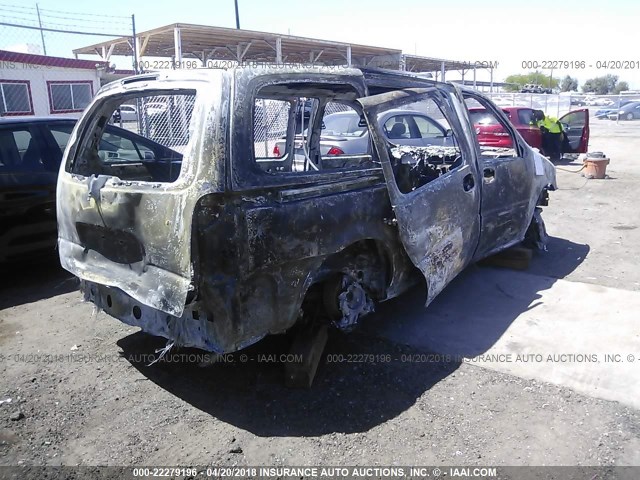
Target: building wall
pixel 40 78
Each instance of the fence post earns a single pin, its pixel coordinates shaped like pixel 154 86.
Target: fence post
pixel 134 44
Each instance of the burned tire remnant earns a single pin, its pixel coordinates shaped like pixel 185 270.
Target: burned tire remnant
pixel 346 300
pixel 536 236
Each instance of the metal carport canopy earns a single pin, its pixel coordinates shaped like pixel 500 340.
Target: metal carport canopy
pixel 417 63
pixel 181 40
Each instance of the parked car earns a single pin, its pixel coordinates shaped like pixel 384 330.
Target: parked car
pixel 346 133
pixel 630 111
pixel 578 100
pixel 31 149
pixel 234 248
pixel 535 88
pixel 598 101
pixel 155 108
pixel 491 133
pixel 126 113
pixel 605 112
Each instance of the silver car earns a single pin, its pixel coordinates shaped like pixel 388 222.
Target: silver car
pixel 125 113
pixel 346 133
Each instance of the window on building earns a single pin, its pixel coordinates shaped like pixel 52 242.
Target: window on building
pixel 15 98
pixel 69 96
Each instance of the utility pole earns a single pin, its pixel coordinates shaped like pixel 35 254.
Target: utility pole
pixel 237 15
pixel 135 45
pixel 44 47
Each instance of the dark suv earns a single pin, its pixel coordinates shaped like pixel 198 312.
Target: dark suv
pixel 30 154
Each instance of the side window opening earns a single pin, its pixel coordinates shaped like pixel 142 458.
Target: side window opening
pixel 493 139
pixel 143 140
pixel 270 121
pixel 295 132
pixel 421 145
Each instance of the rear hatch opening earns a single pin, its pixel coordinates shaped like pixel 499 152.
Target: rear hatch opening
pixel 124 205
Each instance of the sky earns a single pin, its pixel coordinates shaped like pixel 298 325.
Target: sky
pixel 501 31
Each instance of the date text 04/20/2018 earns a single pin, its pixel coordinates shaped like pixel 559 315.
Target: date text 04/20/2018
pixel 581 64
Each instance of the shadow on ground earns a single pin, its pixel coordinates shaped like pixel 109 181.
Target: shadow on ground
pixel 352 395
pixel 347 396
pixel 477 308
pixel 34 279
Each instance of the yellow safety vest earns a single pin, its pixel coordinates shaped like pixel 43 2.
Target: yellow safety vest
pixel 551 124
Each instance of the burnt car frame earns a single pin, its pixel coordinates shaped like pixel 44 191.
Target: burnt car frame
pixel 237 247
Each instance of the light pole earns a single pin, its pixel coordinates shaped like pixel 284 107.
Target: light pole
pixel 237 15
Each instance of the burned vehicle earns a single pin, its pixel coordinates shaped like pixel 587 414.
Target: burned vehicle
pixel 212 240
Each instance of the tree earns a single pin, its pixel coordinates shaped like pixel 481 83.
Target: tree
pixel 569 84
pixel 537 78
pixel 621 87
pixel 600 85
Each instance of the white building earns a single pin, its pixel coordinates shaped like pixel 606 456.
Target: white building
pixel 41 85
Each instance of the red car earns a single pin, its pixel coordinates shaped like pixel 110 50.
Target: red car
pixel 492 134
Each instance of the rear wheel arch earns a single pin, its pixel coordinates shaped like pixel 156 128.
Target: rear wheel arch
pixel 362 268
pixel 363 259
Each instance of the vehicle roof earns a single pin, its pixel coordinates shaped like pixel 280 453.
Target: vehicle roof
pixel 203 73
pixel 22 120
pixel 630 104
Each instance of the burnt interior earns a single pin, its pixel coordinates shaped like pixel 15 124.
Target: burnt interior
pixel 414 167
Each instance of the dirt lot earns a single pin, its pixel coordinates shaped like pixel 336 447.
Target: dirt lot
pixel 82 394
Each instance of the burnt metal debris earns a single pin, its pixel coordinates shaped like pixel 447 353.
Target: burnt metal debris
pixel 177 225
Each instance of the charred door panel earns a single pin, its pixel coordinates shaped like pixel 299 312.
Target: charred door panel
pixel 508 181
pixel 434 190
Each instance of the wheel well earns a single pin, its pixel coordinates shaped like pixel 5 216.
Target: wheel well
pixel 367 261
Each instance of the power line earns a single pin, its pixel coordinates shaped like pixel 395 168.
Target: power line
pixel 17 6
pixel 57 24
pixel 50 25
pixel 17 11
pixel 73 25
pixel 35 20
pixel 63 31
pixel 84 14
pixel 67 15
pixel 44 15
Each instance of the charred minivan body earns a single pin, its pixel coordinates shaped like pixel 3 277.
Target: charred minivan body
pixel 195 227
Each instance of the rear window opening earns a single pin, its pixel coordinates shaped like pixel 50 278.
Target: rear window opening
pixel 143 138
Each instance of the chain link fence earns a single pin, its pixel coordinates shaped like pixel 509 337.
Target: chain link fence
pixel 164 119
pixel 271 118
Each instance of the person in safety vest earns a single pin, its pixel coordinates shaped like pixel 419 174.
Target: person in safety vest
pixel 552 134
